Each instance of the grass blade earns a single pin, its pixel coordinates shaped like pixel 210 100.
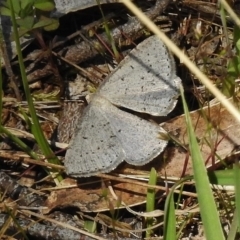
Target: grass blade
pixel 35 127
pixel 169 218
pixel 208 210
pixel 236 171
pixel 150 205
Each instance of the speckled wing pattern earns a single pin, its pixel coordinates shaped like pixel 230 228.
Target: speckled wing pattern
pixel 146 82
pixel 106 136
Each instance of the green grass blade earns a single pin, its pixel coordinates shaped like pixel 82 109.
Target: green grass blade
pixel 90 226
pixel 169 212
pixel 236 171
pixel 108 33
pixel 150 204
pixel 208 210
pixel 234 227
pixel 36 128
pixel 13 218
pixel 222 177
pixel 169 218
pixel 19 143
pixel 1 81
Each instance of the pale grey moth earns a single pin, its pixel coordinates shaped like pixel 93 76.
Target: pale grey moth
pixel 146 82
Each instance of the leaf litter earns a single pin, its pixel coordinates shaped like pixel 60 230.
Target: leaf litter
pixel 215 129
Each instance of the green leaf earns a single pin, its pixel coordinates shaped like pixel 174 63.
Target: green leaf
pixel 5 11
pixel 228 86
pixel 44 5
pixel 6 4
pixel 233 67
pixel 233 227
pixel 169 212
pixel 26 23
pixel 41 96
pixel 238 45
pixel 26 3
pixel 222 177
pixel 36 128
pixel 150 205
pixel 169 219
pixel 1 83
pixel 48 24
pixel 207 205
pixel 21 32
pixel 236 37
pixel 236 171
pixel 53 26
pixel 26 8
pixel 90 226
pixel 16 7
pixel 42 23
